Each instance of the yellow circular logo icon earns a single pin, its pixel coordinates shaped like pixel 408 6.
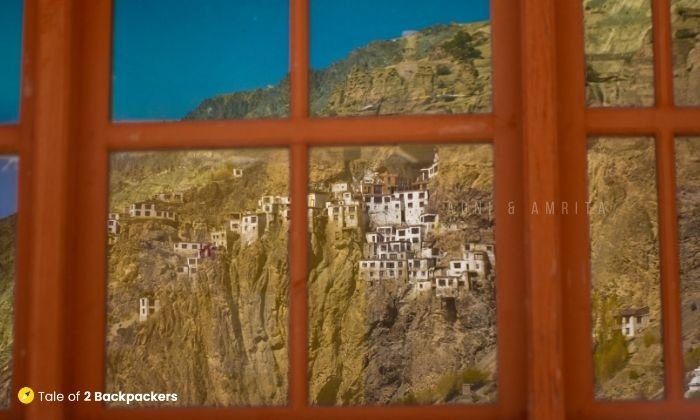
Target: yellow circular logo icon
pixel 25 395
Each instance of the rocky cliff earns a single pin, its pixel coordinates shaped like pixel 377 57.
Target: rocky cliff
pixel 622 191
pixel 619 53
pixel 688 187
pixel 220 337
pixel 621 176
pixel 382 344
pixel 8 226
pixel 686 51
pixel 442 69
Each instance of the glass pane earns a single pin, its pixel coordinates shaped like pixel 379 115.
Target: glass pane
pixel 685 15
pixel 626 299
pixel 10 51
pixel 8 233
pixel 213 59
pixel 198 276
pixel 402 275
pixel 688 189
pixel 398 57
pixel 619 53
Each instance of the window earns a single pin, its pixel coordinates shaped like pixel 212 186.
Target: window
pixel 551 85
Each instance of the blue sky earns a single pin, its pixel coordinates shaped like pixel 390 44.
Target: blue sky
pixel 169 55
pixel 10 47
pixel 337 27
pixel 8 186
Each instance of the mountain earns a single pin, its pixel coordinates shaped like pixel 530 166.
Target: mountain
pixel 382 344
pixel 442 69
pixel 621 174
pixel 424 73
pixel 218 337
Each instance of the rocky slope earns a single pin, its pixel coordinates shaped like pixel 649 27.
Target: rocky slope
pixel 8 227
pixel 384 346
pixel 686 51
pixel 621 174
pixel 219 339
pixel 368 350
pixel 619 53
pixel 623 193
pixel 422 73
pixel 688 186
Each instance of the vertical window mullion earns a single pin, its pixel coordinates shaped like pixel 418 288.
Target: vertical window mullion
pixel 669 265
pixel 666 184
pixel 542 234
pixel 299 103
pixel 663 61
pixel 299 51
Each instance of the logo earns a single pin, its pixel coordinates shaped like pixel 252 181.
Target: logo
pixel 25 395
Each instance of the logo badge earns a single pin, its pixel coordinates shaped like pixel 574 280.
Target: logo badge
pixel 25 395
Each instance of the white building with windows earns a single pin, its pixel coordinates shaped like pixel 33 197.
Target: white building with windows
pixel 147 308
pixel 338 188
pixel 411 234
pixel 343 216
pixel 447 286
pixel 372 270
pixel 432 170
pixel 113 226
pixel 148 210
pixel 393 250
pixel 384 210
pixel 187 248
pixel 414 204
pixel 633 320
pixel 488 249
pixel 235 220
pixel 388 233
pixel 422 286
pixel 420 269
pixel 252 227
pixel 219 238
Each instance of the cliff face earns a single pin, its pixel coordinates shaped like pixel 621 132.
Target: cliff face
pixel 422 75
pixel 220 337
pixel 686 51
pixel 688 189
pixel 623 195
pixel 619 53
pixel 8 226
pixel 382 344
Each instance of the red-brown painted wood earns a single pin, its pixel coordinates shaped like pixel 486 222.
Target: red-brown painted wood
pixel 542 238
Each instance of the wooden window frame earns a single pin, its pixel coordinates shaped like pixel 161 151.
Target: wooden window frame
pixel 538 128
pixel 663 122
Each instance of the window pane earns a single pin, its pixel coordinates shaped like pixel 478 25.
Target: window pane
pixel 626 300
pixel 688 186
pixel 213 59
pixel 619 53
pixel 402 282
pixel 398 57
pixel 10 51
pixel 198 276
pixel 8 232
pixel 686 51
